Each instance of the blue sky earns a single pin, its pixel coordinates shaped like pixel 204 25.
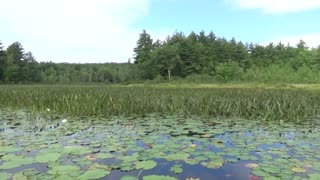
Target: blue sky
pixel 107 30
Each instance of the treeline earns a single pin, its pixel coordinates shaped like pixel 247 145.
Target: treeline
pixel 180 58
pixel 16 66
pixel 204 56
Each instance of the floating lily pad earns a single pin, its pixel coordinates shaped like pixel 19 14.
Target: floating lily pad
pixel 104 155
pixel 271 178
pixel 146 165
pixel 156 177
pixel 76 150
pixel 177 156
pixel 30 172
pixel 16 163
pixel 47 157
pixel 212 164
pixel 201 158
pixel 252 165
pixel 316 166
pixel 314 176
pixel 94 174
pixel 19 176
pixel 5 176
pixel 63 177
pixel 65 170
pixel 176 169
pixel 271 169
pixel 260 172
pixel 8 149
pixel 127 167
pixel 10 157
pixel 134 157
pixel 298 170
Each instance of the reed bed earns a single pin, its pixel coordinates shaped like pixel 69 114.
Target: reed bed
pixel 99 100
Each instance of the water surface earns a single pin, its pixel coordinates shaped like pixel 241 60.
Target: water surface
pixel 178 147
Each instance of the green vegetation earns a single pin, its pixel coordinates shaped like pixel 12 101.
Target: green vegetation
pixel 154 147
pixel 193 58
pixel 289 104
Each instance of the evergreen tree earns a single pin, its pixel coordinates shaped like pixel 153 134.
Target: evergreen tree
pixel 14 63
pixel 143 49
pixel 2 62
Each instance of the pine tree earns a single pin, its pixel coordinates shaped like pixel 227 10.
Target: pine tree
pixel 2 62
pixel 14 63
pixel 143 49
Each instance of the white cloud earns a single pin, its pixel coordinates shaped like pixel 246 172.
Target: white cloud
pixel 311 40
pixel 74 30
pixel 277 6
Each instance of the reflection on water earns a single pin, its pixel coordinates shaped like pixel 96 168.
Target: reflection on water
pixel 206 148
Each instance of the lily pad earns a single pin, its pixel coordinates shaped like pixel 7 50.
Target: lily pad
pixel 47 157
pixel 157 177
pixel 16 163
pixel 298 170
pixel 64 177
pixel 176 169
pixel 94 174
pixel 177 156
pixel 104 156
pixel 30 172
pixel 146 165
pixel 8 149
pixel 314 176
pixel 75 150
pixel 65 170
pixel 5 176
pixel 252 165
pixel 259 172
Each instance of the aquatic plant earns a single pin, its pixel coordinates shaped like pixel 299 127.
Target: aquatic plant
pixel 157 147
pixel 250 103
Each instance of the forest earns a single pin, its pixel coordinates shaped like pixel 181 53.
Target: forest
pixel 197 57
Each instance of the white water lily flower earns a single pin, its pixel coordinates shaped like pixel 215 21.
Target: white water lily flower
pixel 64 120
pixel 48 110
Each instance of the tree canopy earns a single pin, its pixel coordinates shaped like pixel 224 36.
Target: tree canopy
pixel 178 57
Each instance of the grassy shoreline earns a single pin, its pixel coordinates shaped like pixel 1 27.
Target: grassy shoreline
pixel 250 101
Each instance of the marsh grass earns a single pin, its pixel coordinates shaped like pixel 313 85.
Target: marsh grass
pixel 287 104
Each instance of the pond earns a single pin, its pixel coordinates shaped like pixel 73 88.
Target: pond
pixel 155 147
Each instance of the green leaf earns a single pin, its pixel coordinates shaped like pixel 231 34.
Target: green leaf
pixel 30 172
pixel 201 158
pixel 47 157
pixel 64 177
pixel 146 165
pixel 75 150
pixel 16 163
pixel 65 170
pixel 5 176
pixel 314 176
pixel 271 178
pixel 8 149
pixel 104 156
pixel 176 169
pixel 94 174
pixel 260 172
pixel 177 156
pixel 156 177
pixel 298 170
